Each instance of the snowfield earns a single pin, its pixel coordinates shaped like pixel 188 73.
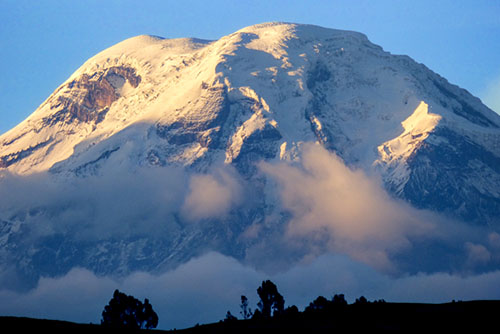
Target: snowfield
pixel 152 153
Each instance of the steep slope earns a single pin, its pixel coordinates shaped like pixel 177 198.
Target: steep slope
pixel 257 94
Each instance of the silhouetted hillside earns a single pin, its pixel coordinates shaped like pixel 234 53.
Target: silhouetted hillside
pixel 471 316
pixel 381 317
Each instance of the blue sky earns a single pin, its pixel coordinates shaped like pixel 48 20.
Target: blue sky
pixel 43 42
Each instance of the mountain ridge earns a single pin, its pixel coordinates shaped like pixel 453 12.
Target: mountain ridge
pixel 207 112
pixel 99 105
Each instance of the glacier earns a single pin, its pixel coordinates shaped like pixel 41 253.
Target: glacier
pixel 151 153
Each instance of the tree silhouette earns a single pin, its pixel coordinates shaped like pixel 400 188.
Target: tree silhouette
pixel 291 312
pixel 246 311
pixel 270 299
pixel 339 300
pixel 127 311
pixel 149 317
pixel 230 317
pixel 361 301
pixel 320 303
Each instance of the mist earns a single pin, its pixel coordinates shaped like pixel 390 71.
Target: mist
pixel 345 209
pixel 338 209
pixel 213 194
pixel 327 228
pixel 96 207
pixel 204 289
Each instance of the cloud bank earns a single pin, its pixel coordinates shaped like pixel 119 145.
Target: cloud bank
pixel 325 228
pixel 205 288
pixel 212 195
pixel 344 209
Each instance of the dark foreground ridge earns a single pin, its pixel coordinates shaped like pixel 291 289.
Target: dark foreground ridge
pixel 373 316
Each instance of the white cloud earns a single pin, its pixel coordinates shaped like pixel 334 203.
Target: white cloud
pixel 97 207
pixel 344 208
pixel 343 235
pixel 477 254
pixel 212 195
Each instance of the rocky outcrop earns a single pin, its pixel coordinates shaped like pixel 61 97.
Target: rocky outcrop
pixel 9 159
pixel 89 97
pixel 453 175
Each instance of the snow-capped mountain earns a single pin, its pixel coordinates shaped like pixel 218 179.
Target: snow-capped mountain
pixel 258 94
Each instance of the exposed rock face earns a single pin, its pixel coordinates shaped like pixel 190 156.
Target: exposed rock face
pixel 12 158
pixel 77 106
pixel 91 96
pixel 455 167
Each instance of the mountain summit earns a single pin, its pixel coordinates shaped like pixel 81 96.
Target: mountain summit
pixel 259 94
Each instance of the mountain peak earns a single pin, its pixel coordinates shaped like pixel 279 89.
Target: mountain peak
pixel 151 125
pixel 256 94
pixel 318 32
